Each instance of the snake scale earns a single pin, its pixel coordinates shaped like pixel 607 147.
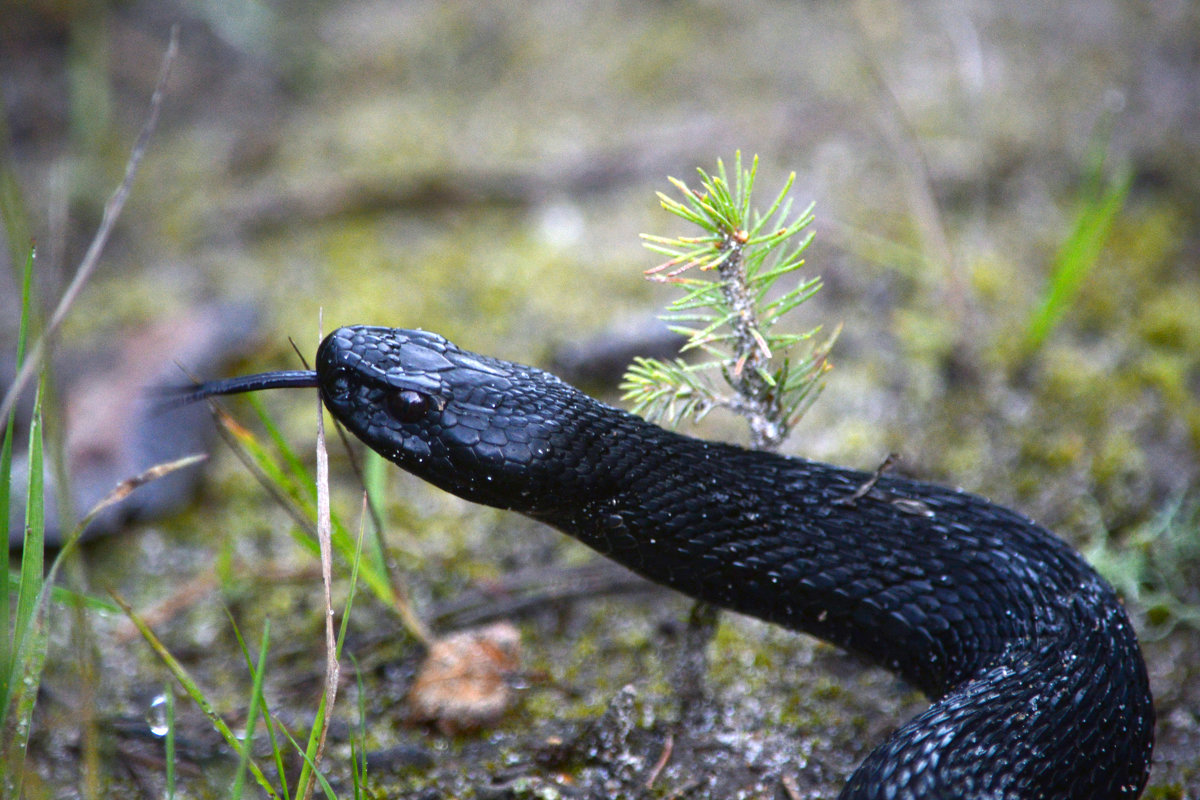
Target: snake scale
pixel 1037 682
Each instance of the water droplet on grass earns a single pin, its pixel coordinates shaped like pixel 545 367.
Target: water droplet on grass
pixel 156 717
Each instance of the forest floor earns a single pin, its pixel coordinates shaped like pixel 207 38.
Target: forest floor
pixel 486 173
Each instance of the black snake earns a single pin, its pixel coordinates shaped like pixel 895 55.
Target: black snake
pixel 1037 682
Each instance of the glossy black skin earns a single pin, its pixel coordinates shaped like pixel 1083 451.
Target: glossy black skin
pixel 1037 681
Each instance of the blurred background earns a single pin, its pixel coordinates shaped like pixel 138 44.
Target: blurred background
pixel 1007 204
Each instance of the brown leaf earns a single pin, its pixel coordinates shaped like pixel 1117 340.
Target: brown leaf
pixel 463 684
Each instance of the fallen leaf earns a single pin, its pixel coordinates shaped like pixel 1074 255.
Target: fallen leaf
pixel 464 683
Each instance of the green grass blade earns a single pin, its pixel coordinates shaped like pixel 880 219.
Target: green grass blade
pixel 6 450
pixel 276 752
pixel 287 489
pixel 169 743
pixel 63 596
pixel 258 670
pixel 359 753
pixel 32 551
pixel 1077 256
pixel 293 487
pixel 12 205
pixel 184 678
pixel 300 477
pixel 375 469
pixel 310 767
pixel 28 648
pixel 13 581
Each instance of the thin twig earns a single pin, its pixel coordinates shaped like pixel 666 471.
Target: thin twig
pixel 112 210
pixel 869 484
pixel 656 770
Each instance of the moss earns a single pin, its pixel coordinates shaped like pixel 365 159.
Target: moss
pixel 1139 261
pixel 1172 791
pixel 928 338
pixel 991 279
pixel 1170 321
pixel 828 690
pixel 1117 458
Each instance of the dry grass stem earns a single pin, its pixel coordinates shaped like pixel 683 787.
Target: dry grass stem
pixel 325 537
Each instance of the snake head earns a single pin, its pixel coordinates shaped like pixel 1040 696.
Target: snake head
pixel 478 427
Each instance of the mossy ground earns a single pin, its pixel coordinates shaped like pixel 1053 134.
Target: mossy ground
pixel 485 173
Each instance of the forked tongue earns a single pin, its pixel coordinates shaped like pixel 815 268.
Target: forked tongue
pixel 287 379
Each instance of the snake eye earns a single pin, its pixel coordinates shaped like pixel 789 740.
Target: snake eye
pixel 407 405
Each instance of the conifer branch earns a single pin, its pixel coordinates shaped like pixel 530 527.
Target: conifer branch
pixel 768 377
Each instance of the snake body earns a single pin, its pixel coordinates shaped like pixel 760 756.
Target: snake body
pixel 1037 682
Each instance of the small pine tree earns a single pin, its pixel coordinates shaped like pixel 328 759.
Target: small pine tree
pixel 768 376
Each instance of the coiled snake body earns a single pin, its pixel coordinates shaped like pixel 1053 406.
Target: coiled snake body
pixel 1038 685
